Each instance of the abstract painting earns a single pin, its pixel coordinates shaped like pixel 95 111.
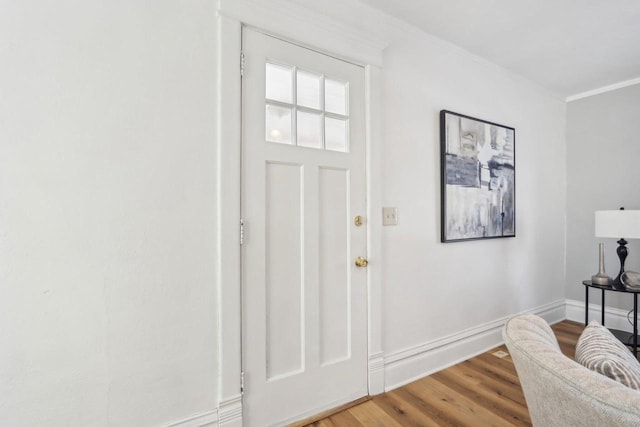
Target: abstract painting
pixel 478 176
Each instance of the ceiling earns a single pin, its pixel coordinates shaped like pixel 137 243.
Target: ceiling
pixel 567 46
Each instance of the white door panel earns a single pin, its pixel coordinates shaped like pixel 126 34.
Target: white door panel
pixel 304 300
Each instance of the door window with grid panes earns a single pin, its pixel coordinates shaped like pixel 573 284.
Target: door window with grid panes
pixel 306 109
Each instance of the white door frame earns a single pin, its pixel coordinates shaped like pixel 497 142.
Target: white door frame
pixel 303 27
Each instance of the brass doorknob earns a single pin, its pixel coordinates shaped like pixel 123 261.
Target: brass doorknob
pixel 361 262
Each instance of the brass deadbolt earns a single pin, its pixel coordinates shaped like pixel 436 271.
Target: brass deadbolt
pixel 361 262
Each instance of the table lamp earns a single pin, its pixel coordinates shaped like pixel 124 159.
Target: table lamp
pixel 619 224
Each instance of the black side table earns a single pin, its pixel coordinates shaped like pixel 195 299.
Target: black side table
pixel 621 335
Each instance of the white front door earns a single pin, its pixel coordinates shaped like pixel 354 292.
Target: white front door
pixel 303 185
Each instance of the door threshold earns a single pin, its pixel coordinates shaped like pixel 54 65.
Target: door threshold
pixel 330 412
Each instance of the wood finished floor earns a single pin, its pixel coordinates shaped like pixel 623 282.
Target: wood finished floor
pixel 483 391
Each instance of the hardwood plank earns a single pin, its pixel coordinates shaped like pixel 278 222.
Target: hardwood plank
pixel 435 414
pixel 485 367
pixel 403 411
pixel 345 419
pixel 567 330
pixel 567 334
pixel 500 366
pixel 325 414
pixel 459 407
pixel 371 415
pixel 508 391
pixel 325 422
pixel 488 394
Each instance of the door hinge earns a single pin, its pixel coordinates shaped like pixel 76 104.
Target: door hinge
pixel 242 382
pixel 242 232
pixel 241 64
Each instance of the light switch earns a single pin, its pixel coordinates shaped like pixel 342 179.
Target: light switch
pixel 389 216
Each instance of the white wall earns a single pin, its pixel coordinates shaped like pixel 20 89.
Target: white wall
pixel 106 203
pixel 431 289
pixel 602 173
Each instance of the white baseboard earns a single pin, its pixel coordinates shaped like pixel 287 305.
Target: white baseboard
pixel 376 373
pixel 207 419
pixel 405 366
pixel 230 412
pixel 613 317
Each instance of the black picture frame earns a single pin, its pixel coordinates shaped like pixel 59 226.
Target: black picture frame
pixel 478 178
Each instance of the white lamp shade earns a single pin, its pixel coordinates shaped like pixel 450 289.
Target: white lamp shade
pixel 619 224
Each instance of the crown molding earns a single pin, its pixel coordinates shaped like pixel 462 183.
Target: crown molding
pixel 603 89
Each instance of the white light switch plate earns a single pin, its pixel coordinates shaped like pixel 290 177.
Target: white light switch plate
pixel 389 216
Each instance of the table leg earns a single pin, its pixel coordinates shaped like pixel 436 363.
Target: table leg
pixel 602 307
pixel 586 305
pixel 635 325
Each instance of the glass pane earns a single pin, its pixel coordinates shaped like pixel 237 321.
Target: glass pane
pixel 278 124
pixel 308 90
pixel 335 97
pixel 309 130
pixel 278 83
pixel 335 134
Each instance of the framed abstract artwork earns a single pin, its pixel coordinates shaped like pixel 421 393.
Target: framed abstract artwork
pixel 478 178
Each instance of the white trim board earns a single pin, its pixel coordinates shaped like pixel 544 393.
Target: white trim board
pixel 230 412
pixel 228 210
pixel 207 419
pixel 604 89
pixel 615 318
pixel 404 366
pixel 373 88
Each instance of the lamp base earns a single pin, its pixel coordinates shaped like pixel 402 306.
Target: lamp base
pixel 601 280
pixel 622 254
pixel 617 284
